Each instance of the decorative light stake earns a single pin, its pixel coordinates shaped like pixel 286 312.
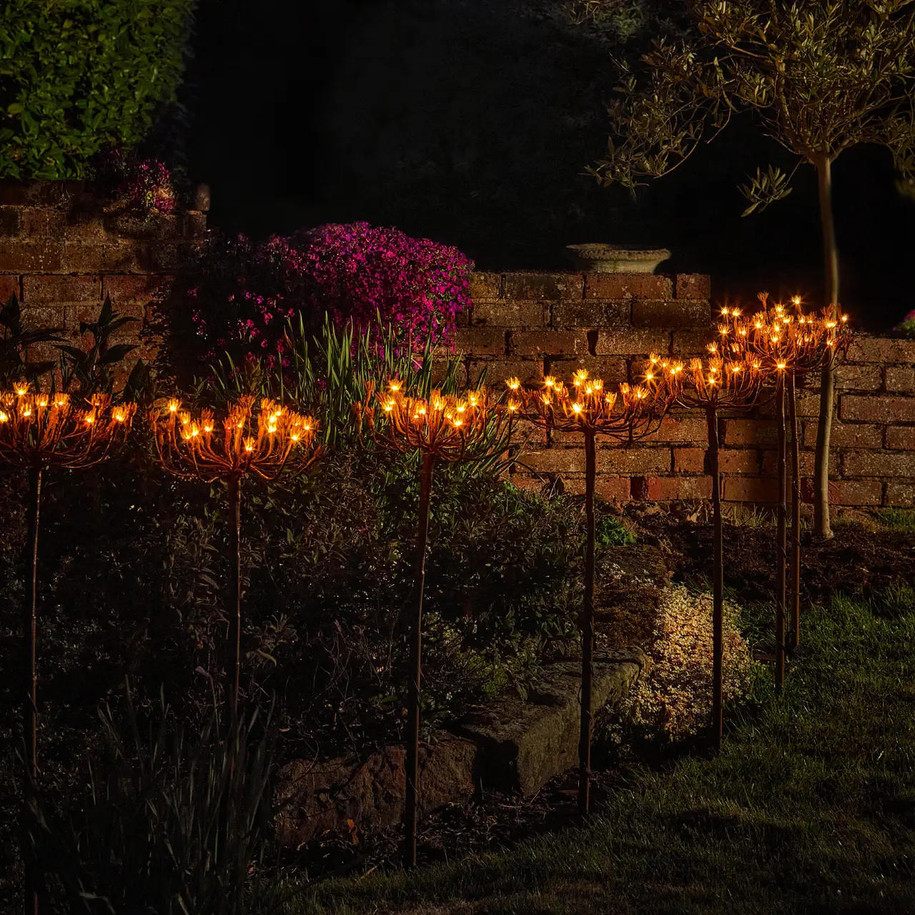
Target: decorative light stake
pixel 442 428
pixel 789 346
pixel 712 385
pixel 39 432
pixel 626 415
pixel 264 445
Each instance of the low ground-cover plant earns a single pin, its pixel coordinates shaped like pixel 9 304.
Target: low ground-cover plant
pixel 673 697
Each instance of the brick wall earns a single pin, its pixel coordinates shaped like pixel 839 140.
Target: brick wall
pixel 60 255
pixel 531 324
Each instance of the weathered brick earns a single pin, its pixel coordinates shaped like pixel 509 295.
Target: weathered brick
pixel 848 492
pixel 683 313
pixel 680 429
pixel 749 432
pixel 900 378
pixel 693 286
pixel 612 371
pixel 481 340
pixel 135 287
pixel 631 342
pixel 510 314
pixel 805 462
pixel 900 495
pixel 638 460
pixel 691 342
pixel 35 222
pixel 124 257
pixel 194 224
pixel 900 438
pixel 548 342
pixel 878 464
pixel 591 314
pixel 627 285
pixel 39 290
pixel 859 377
pixel 28 192
pixel 808 405
pixel 610 489
pixel 498 371
pixel 750 489
pixel 877 409
pixel 9 286
pixel 554 460
pixel 881 349
pixel 485 285
pixel 45 317
pixel 543 286
pixel 30 257
pixel 742 460
pixel 663 489
pixel 9 222
pixel 846 435
pixel 689 460
pixel 88 312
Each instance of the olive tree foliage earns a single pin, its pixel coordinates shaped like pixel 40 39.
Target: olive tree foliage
pixel 820 76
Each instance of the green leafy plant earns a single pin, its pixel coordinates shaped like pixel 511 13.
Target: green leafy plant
pixel 820 77
pixel 612 532
pixel 79 75
pixel 14 345
pixel 174 818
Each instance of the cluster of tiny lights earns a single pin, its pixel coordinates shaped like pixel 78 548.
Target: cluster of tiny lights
pixel 585 404
pixel 711 382
pixel 785 340
pixel 260 442
pixel 451 427
pixel 52 429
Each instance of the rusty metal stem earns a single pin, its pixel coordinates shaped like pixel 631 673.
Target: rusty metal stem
pixel 587 634
pixel 794 629
pixel 717 584
pixel 781 547
pixel 30 699
pixel 235 611
pixel 410 815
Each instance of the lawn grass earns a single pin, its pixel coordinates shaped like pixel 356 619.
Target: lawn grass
pixel 810 807
pixel 898 519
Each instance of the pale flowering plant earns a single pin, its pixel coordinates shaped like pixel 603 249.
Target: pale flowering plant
pixel 672 699
pixel 906 327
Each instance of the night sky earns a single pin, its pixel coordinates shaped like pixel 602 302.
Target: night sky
pixel 471 121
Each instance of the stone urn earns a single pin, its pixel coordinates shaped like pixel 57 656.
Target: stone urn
pixel 602 258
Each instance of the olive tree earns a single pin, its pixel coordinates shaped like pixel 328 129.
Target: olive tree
pixel 820 76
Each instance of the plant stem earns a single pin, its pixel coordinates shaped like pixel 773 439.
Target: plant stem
pixel 587 634
pixel 781 546
pixel 717 584
pixel 794 633
pixel 30 700
pixel 416 649
pixel 821 522
pixel 235 611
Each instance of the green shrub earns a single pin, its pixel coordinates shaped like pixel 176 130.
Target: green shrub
pixel 77 76
pixel 612 532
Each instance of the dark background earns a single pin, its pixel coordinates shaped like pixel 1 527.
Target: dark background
pixel 471 121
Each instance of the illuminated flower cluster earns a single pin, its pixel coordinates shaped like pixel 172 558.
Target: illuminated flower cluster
pixel 784 339
pixel 711 382
pixel 587 405
pixel 51 430
pixel 906 326
pixel 452 428
pixel 262 442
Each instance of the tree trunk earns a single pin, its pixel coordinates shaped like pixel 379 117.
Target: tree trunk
pixel 821 525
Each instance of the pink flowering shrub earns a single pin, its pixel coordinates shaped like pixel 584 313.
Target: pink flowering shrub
pixel 246 292
pixel 906 326
pixel 141 188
